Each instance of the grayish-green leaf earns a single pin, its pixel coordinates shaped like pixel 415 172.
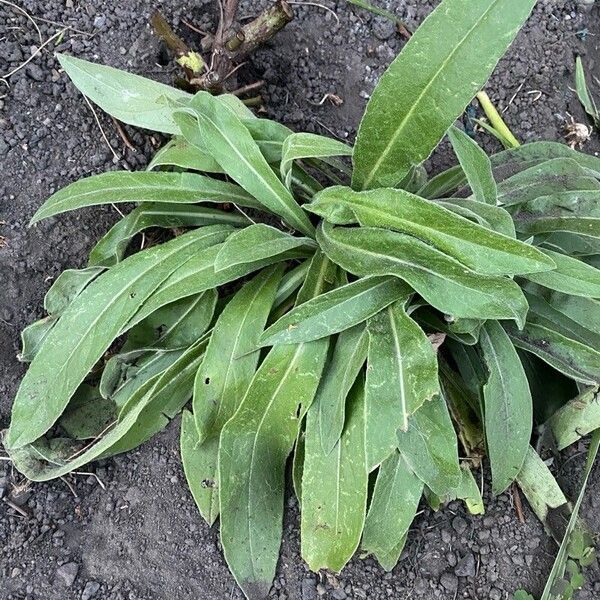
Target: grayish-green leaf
pixel 180 153
pixel 576 419
pixel 67 286
pixel 393 508
pixel 475 164
pixel 469 491
pixel 33 336
pixel 482 250
pixel 495 218
pixel 430 447
pixel 123 186
pixel 402 374
pixel 347 360
pixel 445 283
pixel 508 407
pixel 583 92
pixel 258 242
pixel 401 129
pixel 334 489
pixel 335 311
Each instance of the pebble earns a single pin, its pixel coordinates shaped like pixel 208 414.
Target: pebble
pixel 67 573
pixel 449 582
pixel 466 566
pixel 90 589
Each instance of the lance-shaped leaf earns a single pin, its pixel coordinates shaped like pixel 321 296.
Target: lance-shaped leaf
pixel 571 276
pixel 574 359
pixel 44 459
pixel 495 218
pixel 477 247
pixel 469 492
pixel 130 98
pixel 180 153
pixel 253 451
pixel 430 447
pixel 347 360
pixel 308 145
pixel 545 179
pixel 112 246
pixel 334 489
pixel 444 282
pixel 86 330
pixel 402 374
pixel 508 412
pixel 238 154
pixel 32 337
pixel 123 186
pixel 392 136
pixel 393 508
pixel 222 380
pixel 258 242
pixel 67 286
pixel 335 311
pixel 475 164
pixel 576 419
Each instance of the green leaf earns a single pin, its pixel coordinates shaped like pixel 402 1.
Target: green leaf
pixel 234 149
pixel 482 250
pixel 334 489
pixel 180 153
pixel 476 166
pixel 469 492
pixel 571 276
pixel 258 242
pixel 444 282
pixel 123 186
pixel 576 419
pixel 86 330
pixel 67 286
pixel 175 325
pixel 130 98
pixel 568 356
pixel 392 136
pixel 393 508
pixel 495 218
pixel 33 336
pixel 347 360
pixel 508 406
pixel 583 93
pixel 88 414
pixel 308 145
pixel 557 175
pixel 402 374
pixel 254 448
pixel 334 311
pixel 430 447
pixel 112 246
pixel 223 379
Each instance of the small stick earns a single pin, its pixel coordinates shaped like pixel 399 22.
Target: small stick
pixel 194 28
pixel 496 120
pixel 38 50
pixel 249 88
pixel 91 475
pixel 14 506
pixel 24 12
pixel 317 5
pixel 123 135
pixel 117 157
pixel 518 505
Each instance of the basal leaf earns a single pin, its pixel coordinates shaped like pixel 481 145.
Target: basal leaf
pixel 130 98
pixel 507 406
pixel 393 508
pixel 401 129
pixel 180 153
pixel 444 282
pixel 576 419
pixel 583 92
pixel 571 276
pixel 574 359
pixel 253 451
pixel 123 186
pixel 308 145
pixel 482 250
pixel 258 242
pixel 223 378
pixel 334 489
pixel 495 218
pixel 348 358
pixel 67 286
pixel 430 447
pixel 402 374
pixel 335 311
pixel 112 246
pixel 86 330
pixel 476 166
pixel 469 492
pixel 232 146
pixel 33 335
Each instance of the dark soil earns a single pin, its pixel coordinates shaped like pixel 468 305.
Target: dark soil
pixel 138 535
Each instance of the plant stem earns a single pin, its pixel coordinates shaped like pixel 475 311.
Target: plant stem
pixel 496 120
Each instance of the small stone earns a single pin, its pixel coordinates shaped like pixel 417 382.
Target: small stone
pixel 321 589
pixel 339 594
pixel 15 572
pixel 449 582
pixel 90 589
pixel 100 21
pixel 459 525
pixel 466 566
pixel 309 589
pixel 383 29
pixel 67 573
pixel 495 594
